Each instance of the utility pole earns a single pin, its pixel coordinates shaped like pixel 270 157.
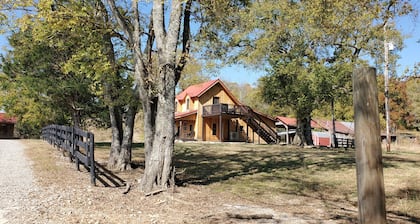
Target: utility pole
pixel 386 77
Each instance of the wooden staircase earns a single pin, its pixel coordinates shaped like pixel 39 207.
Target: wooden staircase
pixel 257 124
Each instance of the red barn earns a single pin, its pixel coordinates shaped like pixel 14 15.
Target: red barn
pixel 7 126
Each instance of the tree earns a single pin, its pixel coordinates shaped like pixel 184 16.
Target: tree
pixel 193 73
pixel 84 37
pixel 95 56
pixel 412 79
pixel 157 81
pixel 313 44
pixel 399 104
pixel 37 91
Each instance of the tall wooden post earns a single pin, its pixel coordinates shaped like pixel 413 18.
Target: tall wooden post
pixel 370 181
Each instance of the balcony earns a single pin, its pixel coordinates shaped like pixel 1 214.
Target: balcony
pixel 218 109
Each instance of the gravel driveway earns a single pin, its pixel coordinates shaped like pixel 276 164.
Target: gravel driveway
pixel 16 180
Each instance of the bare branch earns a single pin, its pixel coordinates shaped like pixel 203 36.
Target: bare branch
pixel 186 35
pixel 159 23
pixel 150 40
pixel 121 21
pixel 174 26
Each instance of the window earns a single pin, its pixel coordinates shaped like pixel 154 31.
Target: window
pixel 216 100
pixel 188 104
pixel 191 127
pixel 214 129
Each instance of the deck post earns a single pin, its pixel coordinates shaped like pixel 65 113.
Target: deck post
pixel 220 128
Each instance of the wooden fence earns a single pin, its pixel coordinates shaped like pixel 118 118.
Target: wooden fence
pixel 78 143
pixel 345 143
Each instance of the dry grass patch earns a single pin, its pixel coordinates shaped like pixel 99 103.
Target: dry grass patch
pixel 47 162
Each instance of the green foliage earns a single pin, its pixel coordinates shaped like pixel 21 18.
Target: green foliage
pixel 37 91
pixel 309 47
pixel 193 73
pixel 60 56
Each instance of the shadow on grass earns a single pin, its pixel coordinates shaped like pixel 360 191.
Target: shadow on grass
pixel 108 144
pixel 207 167
pixel 394 160
pixel 405 217
pixel 289 170
pixel 107 177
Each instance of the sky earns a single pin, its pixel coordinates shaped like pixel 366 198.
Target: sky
pixel 410 54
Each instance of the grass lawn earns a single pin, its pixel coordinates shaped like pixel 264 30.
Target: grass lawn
pixel 294 180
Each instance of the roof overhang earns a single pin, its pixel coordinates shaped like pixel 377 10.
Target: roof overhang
pixel 183 115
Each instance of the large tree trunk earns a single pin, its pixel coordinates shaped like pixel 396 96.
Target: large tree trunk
pixel 121 116
pixel 122 138
pixel 304 130
pixel 158 163
pixel 157 85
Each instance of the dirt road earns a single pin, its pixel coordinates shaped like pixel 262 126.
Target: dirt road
pixel 16 179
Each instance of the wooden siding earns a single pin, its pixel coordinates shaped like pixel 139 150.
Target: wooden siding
pixel 218 91
pixel 205 125
pixel 234 128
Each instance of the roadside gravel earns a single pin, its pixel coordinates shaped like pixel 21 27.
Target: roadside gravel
pixel 16 180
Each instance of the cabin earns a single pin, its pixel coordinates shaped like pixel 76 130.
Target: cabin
pixel 321 131
pixel 7 126
pixel 210 112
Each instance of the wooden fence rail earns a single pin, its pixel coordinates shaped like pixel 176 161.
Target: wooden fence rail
pixel 73 140
pixel 345 143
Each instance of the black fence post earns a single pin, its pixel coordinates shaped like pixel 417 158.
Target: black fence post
pixel 77 138
pixel 91 138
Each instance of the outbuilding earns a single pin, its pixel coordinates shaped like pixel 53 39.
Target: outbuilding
pixel 7 126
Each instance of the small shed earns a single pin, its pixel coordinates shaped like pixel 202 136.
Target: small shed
pixel 7 126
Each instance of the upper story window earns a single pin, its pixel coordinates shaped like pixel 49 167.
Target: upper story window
pixel 188 104
pixel 216 100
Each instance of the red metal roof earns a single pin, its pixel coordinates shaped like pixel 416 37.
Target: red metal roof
pixel 196 90
pixel 339 127
pixel 199 89
pixel 5 119
pixel 318 123
pixel 289 121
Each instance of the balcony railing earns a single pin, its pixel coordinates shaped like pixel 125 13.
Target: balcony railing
pixel 218 109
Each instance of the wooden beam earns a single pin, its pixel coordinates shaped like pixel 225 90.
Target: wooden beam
pixel 369 167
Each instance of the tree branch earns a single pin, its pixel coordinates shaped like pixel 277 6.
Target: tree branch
pixel 159 23
pixel 121 21
pixel 186 35
pixel 150 40
pixel 174 26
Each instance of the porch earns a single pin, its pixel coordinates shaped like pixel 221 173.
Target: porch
pixel 224 128
pixel 219 109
